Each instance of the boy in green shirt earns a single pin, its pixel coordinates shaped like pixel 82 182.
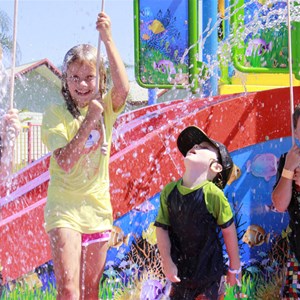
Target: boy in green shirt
pixel 191 211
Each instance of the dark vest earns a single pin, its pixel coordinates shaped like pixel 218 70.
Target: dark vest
pixel 294 212
pixel 194 235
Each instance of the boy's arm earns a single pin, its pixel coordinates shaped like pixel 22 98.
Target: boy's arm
pixel 282 193
pixel 164 246
pixel 231 243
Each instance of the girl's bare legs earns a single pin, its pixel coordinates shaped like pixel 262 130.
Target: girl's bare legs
pixel 66 254
pixel 92 266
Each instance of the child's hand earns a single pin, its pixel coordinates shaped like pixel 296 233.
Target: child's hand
pixel 95 110
pixel 171 271
pixel 96 107
pixel 103 25
pixel 293 158
pixel 233 278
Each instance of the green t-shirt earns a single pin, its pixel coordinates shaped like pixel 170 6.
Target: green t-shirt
pixel 79 199
pixel 215 200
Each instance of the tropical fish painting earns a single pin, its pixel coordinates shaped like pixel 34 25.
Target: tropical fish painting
pixel 156 27
pixel 263 165
pixel 164 66
pixel 118 238
pixel 145 36
pixel 258 47
pixel 235 174
pixel 145 32
pixel 146 12
pixel 151 289
pixel 150 234
pixel 255 235
pixel 264 2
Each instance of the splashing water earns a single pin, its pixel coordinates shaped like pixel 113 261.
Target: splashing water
pixel 3 83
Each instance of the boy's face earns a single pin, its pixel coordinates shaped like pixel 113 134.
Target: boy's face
pixel 203 154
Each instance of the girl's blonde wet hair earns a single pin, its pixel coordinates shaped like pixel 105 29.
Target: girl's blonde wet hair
pixel 83 53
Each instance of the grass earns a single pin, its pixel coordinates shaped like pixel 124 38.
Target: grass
pixel 113 287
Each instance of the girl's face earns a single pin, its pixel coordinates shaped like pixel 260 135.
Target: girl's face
pixel 81 79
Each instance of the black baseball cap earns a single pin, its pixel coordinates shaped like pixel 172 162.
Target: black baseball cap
pixel 192 135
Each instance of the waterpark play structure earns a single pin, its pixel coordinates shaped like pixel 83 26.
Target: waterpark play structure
pixel 154 162
pixel 255 126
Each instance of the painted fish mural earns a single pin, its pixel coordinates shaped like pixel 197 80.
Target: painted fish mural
pixel 165 66
pixel 258 47
pixel 151 290
pixel 150 234
pixel 255 235
pixel 156 27
pixel 161 31
pixel 150 28
pixel 235 174
pixel 263 165
pixel 264 2
pixel 118 238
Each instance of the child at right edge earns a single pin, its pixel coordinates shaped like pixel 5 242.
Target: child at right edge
pixel 191 211
pixel 286 197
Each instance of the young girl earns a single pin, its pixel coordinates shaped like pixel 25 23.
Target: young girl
pixel 78 213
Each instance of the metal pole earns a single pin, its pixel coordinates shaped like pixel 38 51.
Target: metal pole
pixel 210 9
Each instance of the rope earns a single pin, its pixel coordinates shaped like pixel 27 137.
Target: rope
pixel 12 81
pixel 290 70
pixel 99 54
pixel 98 79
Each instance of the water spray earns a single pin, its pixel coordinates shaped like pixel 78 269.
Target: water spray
pixel 98 77
pixel 13 64
pixel 11 132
